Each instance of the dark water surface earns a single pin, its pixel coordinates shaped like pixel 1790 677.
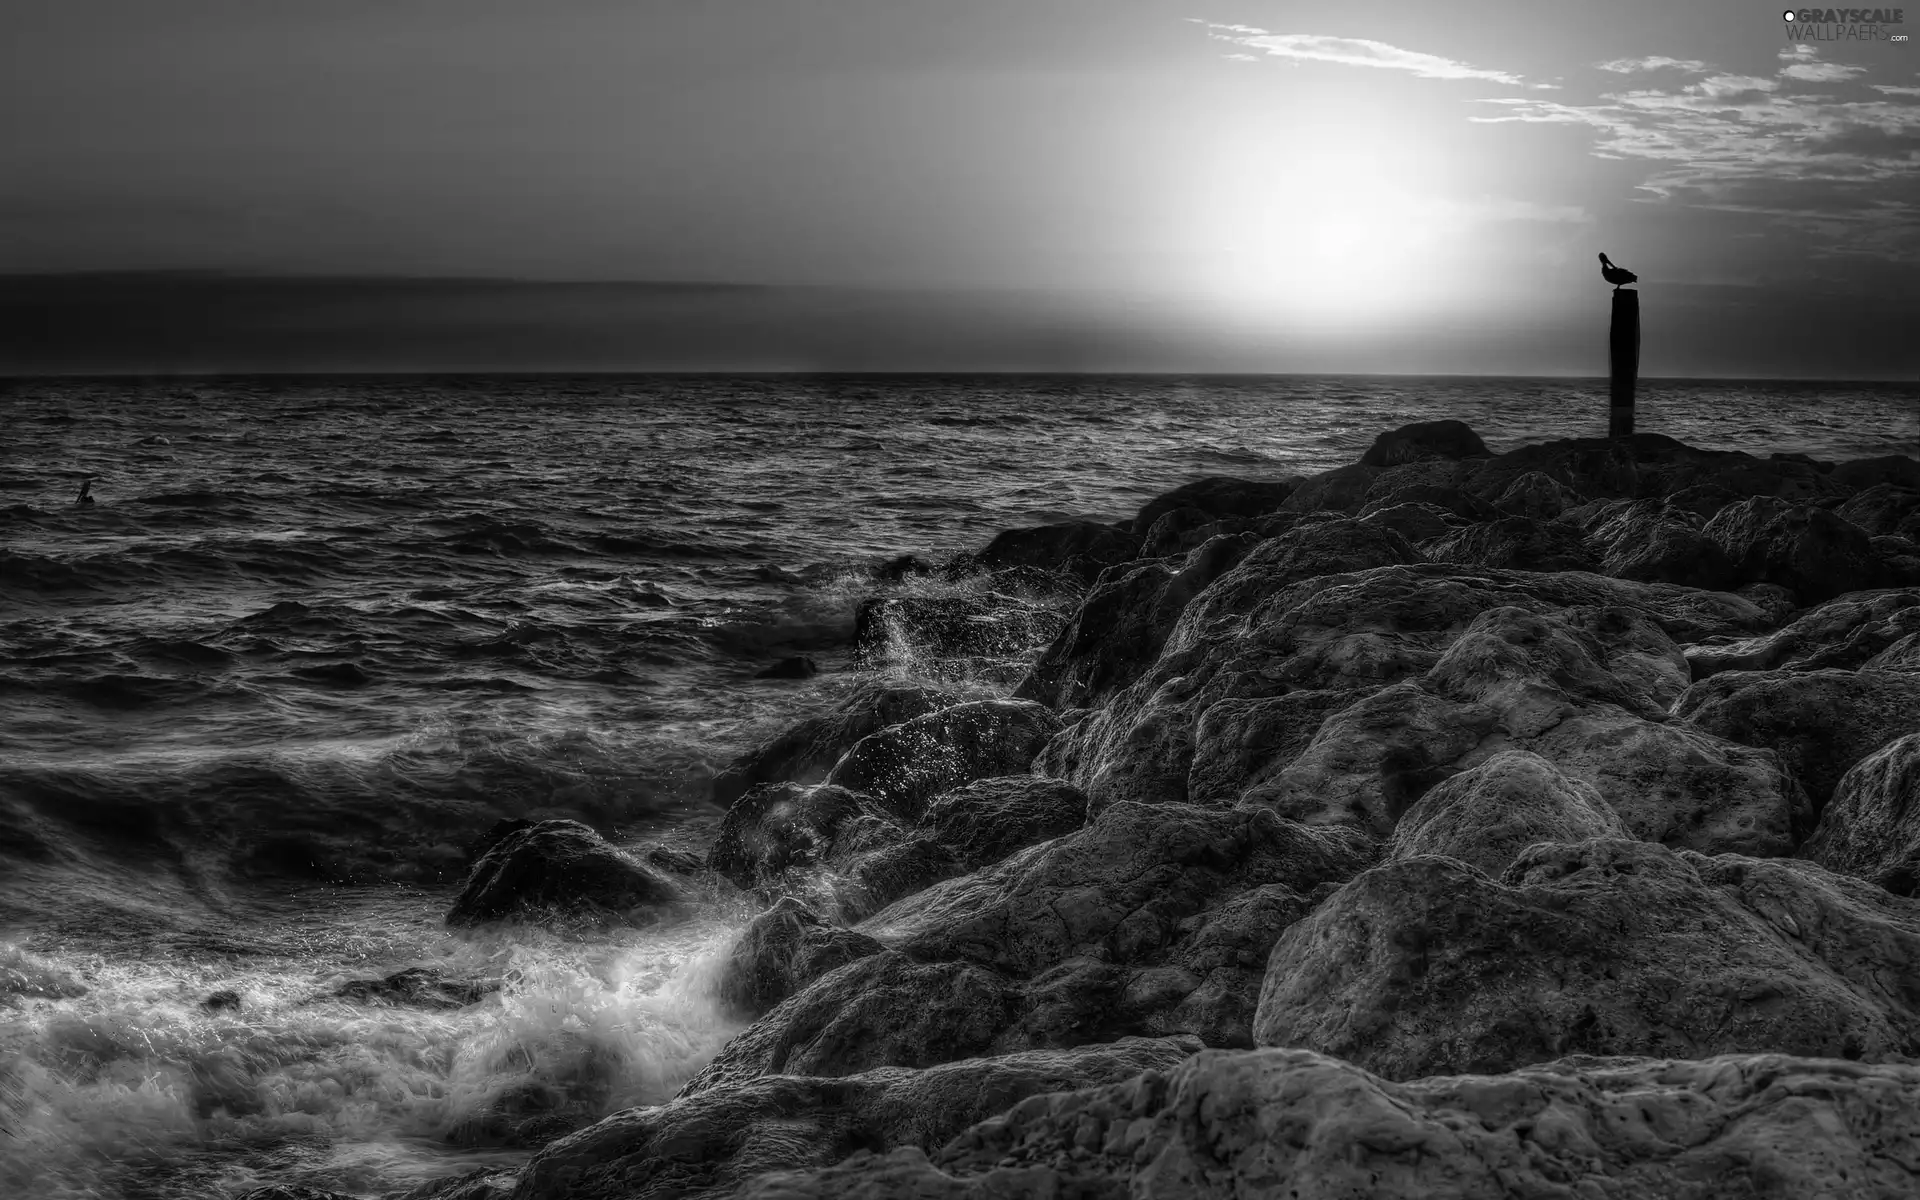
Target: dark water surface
pixel 317 633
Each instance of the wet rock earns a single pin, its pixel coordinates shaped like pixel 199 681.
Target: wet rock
pixel 1820 722
pixel 1122 623
pixel 560 868
pixel 799 666
pixel 841 850
pixel 1844 633
pixel 1292 1123
pixel 906 765
pixel 1487 815
pixel 418 987
pixel 1184 530
pixel 901 567
pixel 224 1000
pixel 1215 498
pixel 1079 548
pixel 1426 965
pixel 928 629
pixel 783 950
pixel 807 751
pixel 1518 544
pixel 26 974
pixel 718 1138
pixel 1343 489
pixel 1816 553
pixel 1871 828
pixel 1425 440
pixel 982 822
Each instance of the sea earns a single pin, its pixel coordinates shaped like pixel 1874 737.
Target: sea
pixel 316 633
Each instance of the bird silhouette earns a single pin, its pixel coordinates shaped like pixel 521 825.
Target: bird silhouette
pixel 1615 275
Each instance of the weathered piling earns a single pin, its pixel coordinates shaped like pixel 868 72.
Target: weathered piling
pixel 1623 354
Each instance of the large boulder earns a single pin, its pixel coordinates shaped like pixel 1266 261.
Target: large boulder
pixel 1517 544
pixel 1653 541
pixel 1652 464
pixel 1872 826
pixel 783 950
pixel 973 630
pixel 1487 815
pixel 561 869
pixel 1425 440
pixel 1881 509
pixel 1899 470
pixel 1343 489
pixel 982 822
pixel 1426 965
pixel 1216 497
pixel 1847 632
pixel 715 1139
pixel 1809 549
pixel 1079 548
pixel 1820 723
pixel 806 751
pixel 1537 495
pixel 1291 1123
pixel 906 765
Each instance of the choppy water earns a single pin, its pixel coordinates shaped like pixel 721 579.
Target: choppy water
pixel 317 633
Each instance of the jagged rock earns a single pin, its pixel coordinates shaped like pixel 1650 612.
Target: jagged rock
pixel 1538 496
pixel 1880 509
pixel 1813 551
pixel 1426 965
pixel 1216 497
pixel 982 822
pixel 1820 723
pixel 1425 440
pixel 808 750
pixel 1122 623
pixel 418 987
pixel 927 629
pixel 1872 826
pixel 726 1136
pixel 1415 522
pixel 1292 1123
pixel 1846 633
pixel 1457 503
pixel 1777 602
pixel 783 950
pixel 1518 544
pixel 906 765
pixel 1487 815
pixel 1080 548
pixel 1343 489
pixel 552 868
pixel 1652 541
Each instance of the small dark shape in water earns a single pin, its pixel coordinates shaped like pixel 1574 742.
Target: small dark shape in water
pixel 339 674
pixel 800 666
pixel 419 987
pixel 86 492
pixel 558 867
pixel 154 440
pixel 896 569
pixel 223 999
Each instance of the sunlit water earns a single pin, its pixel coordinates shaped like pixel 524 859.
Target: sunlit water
pixel 317 634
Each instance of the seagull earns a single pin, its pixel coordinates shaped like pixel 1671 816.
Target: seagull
pixel 1615 275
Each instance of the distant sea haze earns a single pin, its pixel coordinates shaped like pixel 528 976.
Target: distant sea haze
pixel 316 633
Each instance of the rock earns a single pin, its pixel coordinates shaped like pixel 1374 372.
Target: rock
pixel 808 750
pixel 723 1137
pixel 1820 722
pixel 1426 965
pixel 1651 541
pixel 417 987
pixel 1216 497
pixel 1424 440
pixel 224 1000
pixel 1871 828
pixel 1899 559
pixel 1080 548
pixel 1518 544
pixel 901 567
pixel 1415 522
pixel 1896 469
pixel 924 630
pixel 982 822
pixel 1880 509
pixel 1121 625
pixel 904 766
pixel 1292 1123
pixel 1457 503
pixel 1343 489
pixel 1538 496
pixel 1777 602
pixel 1811 550
pixel 1844 633
pixel 781 951
pixel 799 666
pixel 1487 815
pixel 1652 464
pixel 553 868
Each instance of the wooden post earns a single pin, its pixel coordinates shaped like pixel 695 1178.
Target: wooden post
pixel 1623 355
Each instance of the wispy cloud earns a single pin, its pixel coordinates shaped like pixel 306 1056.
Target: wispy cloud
pixel 1653 62
pixel 1358 52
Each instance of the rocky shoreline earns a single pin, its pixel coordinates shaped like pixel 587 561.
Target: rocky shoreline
pixel 1544 824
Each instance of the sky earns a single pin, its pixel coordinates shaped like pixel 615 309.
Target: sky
pixel 954 185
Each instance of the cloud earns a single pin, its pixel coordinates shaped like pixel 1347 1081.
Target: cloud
pixel 1803 62
pixel 1358 52
pixel 1653 62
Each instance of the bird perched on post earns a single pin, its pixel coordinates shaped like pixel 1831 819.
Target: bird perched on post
pixel 1615 275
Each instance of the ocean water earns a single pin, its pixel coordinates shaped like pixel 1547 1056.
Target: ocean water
pixel 317 633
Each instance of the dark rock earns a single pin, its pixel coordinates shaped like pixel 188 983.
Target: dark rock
pixel 1426 965
pixel 924 630
pixel 221 1001
pixel 723 1137
pixel 900 567
pixel 1652 464
pixel 1847 633
pixel 1485 816
pixel 1777 602
pixel 982 822
pixel 782 951
pixel 1880 509
pixel 904 766
pixel 1871 828
pixel 1896 469
pixel 1537 495
pixel 560 868
pixel 1292 1123
pixel 1517 544
pixel 1458 503
pixel 1343 489
pixel 1183 530
pixel 808 750
pixel 1810 550
pixel 1216 497
pixel 799 666
pixel 418 987
pixel 1080 548
pixel 1820 723
pixel 1424 440
pixel 1651 541
pixel 1412 521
